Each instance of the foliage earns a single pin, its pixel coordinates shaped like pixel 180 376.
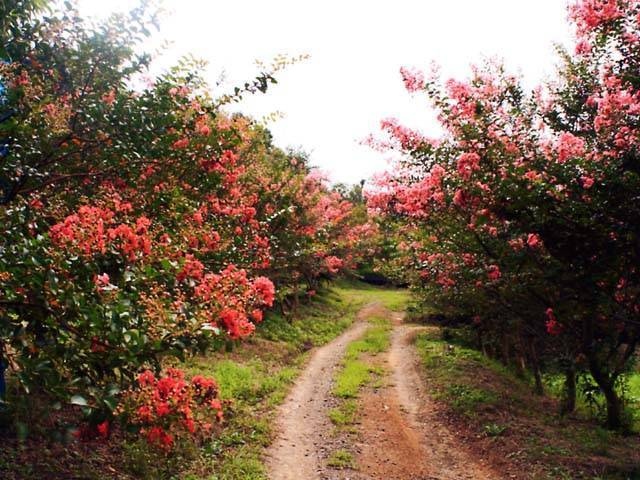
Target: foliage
pixel 489 402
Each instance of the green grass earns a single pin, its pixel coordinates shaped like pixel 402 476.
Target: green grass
pixel 446 362
pixel 494 430
pixel 341 459
pixel 355 373
pixel 394 299
pixel 374 341
pixel 344 414
pixel 466 399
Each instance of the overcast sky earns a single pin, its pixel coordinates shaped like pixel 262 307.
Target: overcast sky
pixel 351 81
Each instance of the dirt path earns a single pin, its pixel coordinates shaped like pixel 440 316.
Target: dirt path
pixel 304 425
pixel 400 436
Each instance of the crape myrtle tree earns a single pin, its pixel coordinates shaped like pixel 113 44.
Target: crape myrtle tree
pixel 139 221
pixel 524 215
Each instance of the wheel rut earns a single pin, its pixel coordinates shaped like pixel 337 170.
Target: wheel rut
pixel 402 436
pixel 303 425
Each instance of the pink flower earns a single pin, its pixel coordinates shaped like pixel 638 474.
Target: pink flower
pixel 181 143
pixel 591 14
pixel 413 79
pixel 407 139
pixel 102 281
pixel 333 264
pixel 204 130
pixel 587 182
pixel 467 164
pixel 533 240
pixel 265 290
pixel 109 98
pixel 569 146
pixel 494 273
pixel 459 198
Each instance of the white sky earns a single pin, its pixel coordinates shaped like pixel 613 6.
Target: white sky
pixel 338 96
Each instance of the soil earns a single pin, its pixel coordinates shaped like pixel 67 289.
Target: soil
pixel 401 435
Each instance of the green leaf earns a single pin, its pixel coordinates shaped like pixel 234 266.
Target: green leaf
pixel 79 400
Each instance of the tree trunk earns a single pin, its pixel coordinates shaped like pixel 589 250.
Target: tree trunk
pixel 535 368
pixel 614 408
pixel 520 364
pixel 607 383
pixel 569 400
pixel 506 358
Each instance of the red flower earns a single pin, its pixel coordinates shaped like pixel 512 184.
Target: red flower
pixel 36 204
pixel 146 378
pixel 553 327
pixel 103 429
pixel 533 240
pixel 181 143
pixel 587 182
pixel 162 409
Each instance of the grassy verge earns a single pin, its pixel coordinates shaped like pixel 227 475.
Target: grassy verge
pixel 514 428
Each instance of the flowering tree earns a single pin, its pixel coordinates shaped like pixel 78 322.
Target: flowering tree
pixel 523 216
pixel 139 220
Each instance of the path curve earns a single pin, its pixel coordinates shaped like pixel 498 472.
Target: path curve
pixel 302 418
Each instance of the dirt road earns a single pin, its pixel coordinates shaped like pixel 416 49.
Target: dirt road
pixel 400 436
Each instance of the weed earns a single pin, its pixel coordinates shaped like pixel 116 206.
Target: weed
pixel 494 430
pixel 468 399
pixel 341 459
pixel 344 414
